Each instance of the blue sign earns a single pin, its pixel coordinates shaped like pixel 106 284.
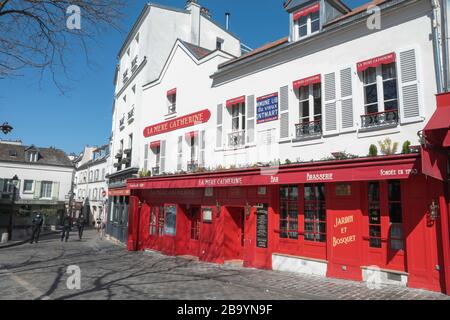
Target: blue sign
pixel 267 108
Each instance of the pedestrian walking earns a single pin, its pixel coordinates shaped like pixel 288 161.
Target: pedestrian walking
pixel 37 225
pixel 80 224
pixel 99 224
pixel 66 227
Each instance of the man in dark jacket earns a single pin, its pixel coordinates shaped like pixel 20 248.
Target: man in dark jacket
pixel 37 225
pixel 66 226
pixel 80 224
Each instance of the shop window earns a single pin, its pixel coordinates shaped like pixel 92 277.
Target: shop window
pixel 171 220
pixel 380 96
pixel 374 215
pixel 161 221
pixel 195 223
pixel 315 213
pixel 289 212
pixel 395 215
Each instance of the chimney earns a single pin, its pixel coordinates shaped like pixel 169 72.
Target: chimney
pixel 227 20
pixel 194 8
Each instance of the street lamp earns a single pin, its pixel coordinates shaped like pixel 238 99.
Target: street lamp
pixel 6 128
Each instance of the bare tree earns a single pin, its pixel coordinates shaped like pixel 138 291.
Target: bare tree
pixel 36 34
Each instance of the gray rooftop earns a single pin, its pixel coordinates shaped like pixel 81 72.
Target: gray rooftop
pixel 46 156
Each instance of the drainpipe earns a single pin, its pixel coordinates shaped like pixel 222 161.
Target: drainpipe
pixel 437 45
pixel 446 38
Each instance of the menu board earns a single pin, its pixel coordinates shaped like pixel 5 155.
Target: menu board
pixel 262 227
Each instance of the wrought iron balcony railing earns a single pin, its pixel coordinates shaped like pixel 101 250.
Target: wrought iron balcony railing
pixel 308 129
pixel 379 119
pixel 172 108
pixel 192 165
pixel 155 171
pixel 236 139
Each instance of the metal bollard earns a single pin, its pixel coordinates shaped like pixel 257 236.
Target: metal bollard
pixel 5 237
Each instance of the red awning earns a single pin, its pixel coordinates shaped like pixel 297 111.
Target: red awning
pixel 155 144
pixel 375 62
pixel 234 101
pixel 437 130
pixel 191 134
pixel 172 92
pixel 307 81
pixel 305 11
pixel 434 163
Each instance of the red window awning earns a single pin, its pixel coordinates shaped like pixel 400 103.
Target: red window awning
pixel 191 134
pixel 375 62
pixel 305 11
pixel 234 101
pixel 307 81
pixel 437 130
pixel 434 163
pixel 155 144
pixel 172 92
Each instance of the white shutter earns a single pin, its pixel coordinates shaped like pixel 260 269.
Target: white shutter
pixel 55 190
pixel 330 122
pixel 284 112
pixel 37 190
pixel 146 147
pixel 219 133
pixel 251 119
pixel 163 156
pixel 346 105
pixel 180 154
pixel 202 144
pixel 409 87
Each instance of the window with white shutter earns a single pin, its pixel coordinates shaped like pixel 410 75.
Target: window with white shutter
pixel 163 156
pixel 284 112
pixel 146 147
pixel 330 125
pixel 202 144
pixel 251 119
pixel 219 133
pixel 346 91
pixel 410 109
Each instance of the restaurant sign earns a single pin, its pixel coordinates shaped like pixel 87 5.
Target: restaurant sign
pixel 178 123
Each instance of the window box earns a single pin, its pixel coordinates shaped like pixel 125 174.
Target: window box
pixel 125 161
pixel 122 123
pixel 308 129
pixel 379 120
pixel 131 116
pixel 119 154
pixel 127 151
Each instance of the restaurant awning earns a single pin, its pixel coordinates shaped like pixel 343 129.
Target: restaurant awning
pixel 155 144
pixel 191 134
pixel 234 101
pixel 305 11
pixel 171 92
pixel 306 81
pixel 375 62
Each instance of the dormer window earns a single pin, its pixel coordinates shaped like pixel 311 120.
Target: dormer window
pixel 307 21
pixel 32 156
pixel 172 100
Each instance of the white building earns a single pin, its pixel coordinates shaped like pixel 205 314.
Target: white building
pixel 141 62
pixel 90 186
pixel 45 178
pixel 333 87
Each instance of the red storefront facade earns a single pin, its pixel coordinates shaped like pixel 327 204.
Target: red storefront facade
pixel 346 216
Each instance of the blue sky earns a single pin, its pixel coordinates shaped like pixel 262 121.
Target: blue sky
pixel 41 115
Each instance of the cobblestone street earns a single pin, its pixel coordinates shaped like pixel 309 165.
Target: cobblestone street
pixel 108 271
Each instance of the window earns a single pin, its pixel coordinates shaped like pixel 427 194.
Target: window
pixel 171 220
pixel 130 141
pixel 137 38
pixel 219 44
pixel 395 215
pixel 310 110
pixel 237 137
pixel 289 212
pixel 172 103
pixel 153 221
pixel 308 24
pixel 28 186
pixel 8 186
pixel 374 215
pixel 380 95
pixel 103 173
pixel 90 176
pixel 33 156
pixel 97 172
pixel 161 221
pixel 121 145
pixel 315 212
pixel 46 189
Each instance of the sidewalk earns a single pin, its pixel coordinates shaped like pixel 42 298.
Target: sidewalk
pixel 10 244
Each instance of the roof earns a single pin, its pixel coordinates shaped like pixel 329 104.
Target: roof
pixel 290 5
pixel 263 48
pixel 357 10
pixel 47 156
pixel 198 52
